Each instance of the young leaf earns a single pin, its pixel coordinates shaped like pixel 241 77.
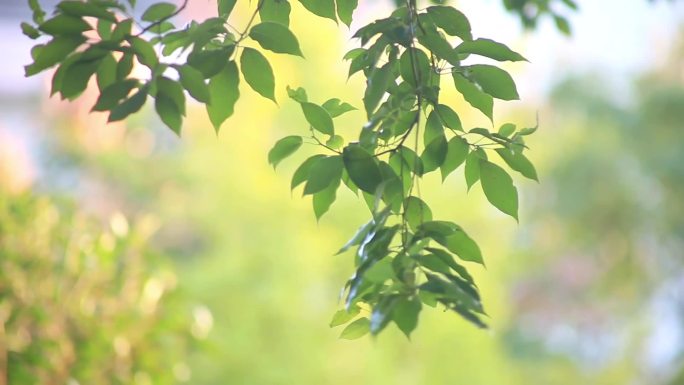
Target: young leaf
pixel 343 316
pixel 335 107
pixel 223 92
pixel 356 329
pixel 318 118
pixel 275 37
pixel 284 148
pixel 258 72
pixel 498 188
pixel 494 81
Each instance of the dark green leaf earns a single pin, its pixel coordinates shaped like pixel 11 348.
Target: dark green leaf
pixel 168 112
pixel 129 106
pixel 322 200
pixel 362 168
pixel 416 212
pixel 54 52
pixel 225 7
pixel 434 154
pixel 376 86
pixel 29 31
pixel 323 173
pixel 449 117
pixel 284 148
pixel 64 25
pixel 76 78
pixel 110 96
pixel 173 90
pixel 414 66
pixel 211 62
pixel 302 173
pixel 462 245
pixel 106 72
pixel 144 51
pixel 93 9
pixel 193 81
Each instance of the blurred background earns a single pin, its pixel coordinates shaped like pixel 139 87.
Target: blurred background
pixel 130 256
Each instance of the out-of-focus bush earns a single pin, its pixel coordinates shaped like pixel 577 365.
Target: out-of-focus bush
pixel 81 303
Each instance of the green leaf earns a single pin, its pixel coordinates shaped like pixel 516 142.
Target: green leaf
pixel 414 66
pixel 302 173
pixel 322 8
pixel 277 11
pixel 457 151
pixel 54 52
pixel 507 129
pixel 336 107
pixel 275 37
pixel 494 81
pixel 169 112
pixel 562 24
pixel 381 314
pixel 77 76
pixel 489 48
pixel 449 117
pixel 144 51
pixel 93 9
pixel 380 272
pixel 284 148
pixel 223 92
pixel 110 96
pixel 345 10
pixel 64 25
pixel 318 118
pixel 322 200
pixel 518 162
pixel 29 31
pixel 158 11
pixel 106 72
pixel 405 314
pixel 362 168
pixel 173 90
pixel 462 245
pixel 125 66
pixel 225 7
pixel 416 212
pixel 472 169
pixel 343 316
pixel 129 106
pixel 298 95
pixel 473 95
pixel 210 62
pixel 356 329
pixel 434 154
pixel 335 142
pixel 498 188
pixel 325 172
pixel 376 86
pixel 433 128
pixel 451 20
pixel 193 81
pixel 258 72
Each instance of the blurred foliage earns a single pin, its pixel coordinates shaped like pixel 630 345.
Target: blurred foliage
pixel 83 305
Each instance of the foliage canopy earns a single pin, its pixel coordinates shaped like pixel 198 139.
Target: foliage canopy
pixel 404 257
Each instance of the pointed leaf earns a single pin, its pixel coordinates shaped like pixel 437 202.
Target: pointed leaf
pixel 224 92
pixel 498 188
pixel 275 37
pixel 284 148
pixel 258 72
